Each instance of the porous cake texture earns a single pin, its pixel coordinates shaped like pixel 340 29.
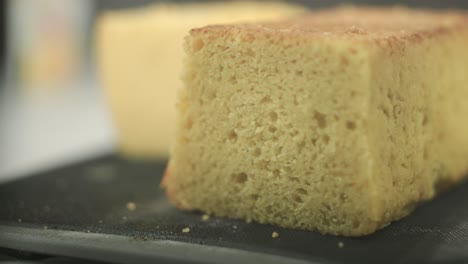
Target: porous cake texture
pixel 340 121
pixel 139 54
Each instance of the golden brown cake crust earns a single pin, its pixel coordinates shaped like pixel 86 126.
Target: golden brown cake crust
pixel 362 24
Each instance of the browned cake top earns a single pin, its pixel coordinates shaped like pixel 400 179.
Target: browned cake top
pixel 364 23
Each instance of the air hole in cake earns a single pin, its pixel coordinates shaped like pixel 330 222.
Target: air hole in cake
pixel 385 111
pixel 188 123
pixel 426 153
pixel 301 191
pixel 272 129
pixel 343 197
pixel 353 93
pixel 325 221
pixel 294 61
pixel 294 133
pixel 326 206
pixel 240 178
pixel 250 53
pixel 356 224
pixel 297 198
pixel 321 119
pixel 299 73
pixel 232 136
pixel 350 125
pixel 344 61
pixel 263 164
pixel 296 101
pixel 425 120
pixel 300 146
pixel 266 99
pixel 221 68
pixel 257 152
pixel 276 173
pixel 353 50
pixel 293 179
pixel 197 44
pixel 233 80
pixel 441 136
pixel 278 150
pixel 326 139
pixel 314 141
pixel 249 37
pixel 273 116
pixel 254 196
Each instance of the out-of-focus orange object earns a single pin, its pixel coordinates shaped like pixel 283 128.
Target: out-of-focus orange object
pixel 47 39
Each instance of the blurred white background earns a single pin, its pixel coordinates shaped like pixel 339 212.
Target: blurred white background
pixel 51 108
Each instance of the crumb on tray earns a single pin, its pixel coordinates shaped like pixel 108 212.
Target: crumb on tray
pixel 275 234
pixel 205 217
pixel 186 230
pixel 131 206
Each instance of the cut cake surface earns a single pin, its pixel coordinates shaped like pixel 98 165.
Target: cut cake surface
pixel 340 120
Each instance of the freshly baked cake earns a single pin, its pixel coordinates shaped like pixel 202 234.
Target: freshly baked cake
pixel 140 60
pixel 340 121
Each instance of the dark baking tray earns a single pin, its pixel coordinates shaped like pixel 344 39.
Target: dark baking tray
pixel 81 211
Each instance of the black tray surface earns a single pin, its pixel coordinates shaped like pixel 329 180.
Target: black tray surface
pixel 118 203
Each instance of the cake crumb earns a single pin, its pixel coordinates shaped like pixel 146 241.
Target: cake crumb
pixel 340 244
pixel 274 235
pixel 235 227
pixel 45 227
pixel 186 230
pixel 20 220
pixel 248 220
pixel 205 217
pixel 131 206
pixel 124 218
